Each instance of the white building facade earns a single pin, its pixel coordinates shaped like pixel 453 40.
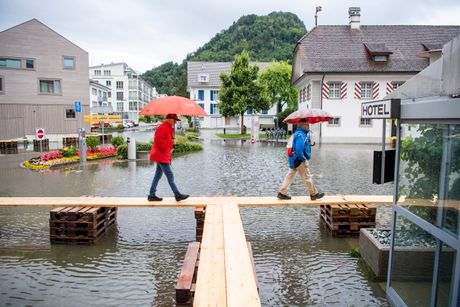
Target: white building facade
pixel 128 94
pixel 203 84
pixel 98 97
pixel 336 68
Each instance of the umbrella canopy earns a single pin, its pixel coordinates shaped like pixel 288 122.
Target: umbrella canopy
pixel 313 116
pixel 173 105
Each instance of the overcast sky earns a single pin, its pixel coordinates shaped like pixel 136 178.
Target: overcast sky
pixel 147 33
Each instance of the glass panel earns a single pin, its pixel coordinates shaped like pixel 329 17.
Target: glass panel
pixel 450 220
pixel 446 269
pixel 412 263
pixel 420 168
pixel 13 63
pixel 47 86
pixel 69 62
pixel 1 84
pixel 70 113
pixel 57 86
pixel 29 63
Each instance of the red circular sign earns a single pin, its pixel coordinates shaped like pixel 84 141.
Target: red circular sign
pixel 40 134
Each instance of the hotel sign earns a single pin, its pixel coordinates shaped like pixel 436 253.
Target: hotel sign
pixel 389 108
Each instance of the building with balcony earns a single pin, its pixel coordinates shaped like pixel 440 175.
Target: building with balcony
pixel 203 84
pixel 335 68
pixel 98 96
pixel 128 94
pixel 42 75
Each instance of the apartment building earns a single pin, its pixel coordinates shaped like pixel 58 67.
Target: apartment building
pixel 98 95
pixel 42 75
pixel 335 68
pixel 203 84
pixel 128 94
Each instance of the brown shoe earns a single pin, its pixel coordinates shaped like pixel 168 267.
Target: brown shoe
pixel 317 196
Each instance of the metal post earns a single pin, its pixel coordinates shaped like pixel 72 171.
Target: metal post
pixel 384 128
pixel 41 146
pixel 102 124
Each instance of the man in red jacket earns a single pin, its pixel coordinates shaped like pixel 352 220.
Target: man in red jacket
pixel 161 154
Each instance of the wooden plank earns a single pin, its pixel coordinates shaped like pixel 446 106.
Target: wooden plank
pixel 185 279
pixel 241 283
pixel 210 283
pixel 253 264
pixel 190 202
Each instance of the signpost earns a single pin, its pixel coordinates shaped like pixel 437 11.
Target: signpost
pixel 40 135
pixel 382 109
pixel 77 107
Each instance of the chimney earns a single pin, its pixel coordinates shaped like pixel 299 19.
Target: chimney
pixel 354 14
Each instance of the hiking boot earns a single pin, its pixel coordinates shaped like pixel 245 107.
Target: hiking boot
pixel 316 196
pixel 283 196
pixel 154 198
pixel 180 197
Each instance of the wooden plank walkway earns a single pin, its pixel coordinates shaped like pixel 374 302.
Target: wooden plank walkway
pixel 225 273
pixel 244 201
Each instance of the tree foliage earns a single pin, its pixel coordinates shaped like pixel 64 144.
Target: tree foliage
pixel 266 38
pixel 240 90
pixel 277 80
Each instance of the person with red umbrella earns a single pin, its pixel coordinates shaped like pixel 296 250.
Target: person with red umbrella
pixel 298 162
pixel 161 154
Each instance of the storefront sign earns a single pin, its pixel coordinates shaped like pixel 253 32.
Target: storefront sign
pixel 381 109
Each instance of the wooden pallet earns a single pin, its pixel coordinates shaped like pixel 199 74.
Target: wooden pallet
pixel 347 219
pixel 80 224
pixel 8 147
pixel 45 145
pixel 70 141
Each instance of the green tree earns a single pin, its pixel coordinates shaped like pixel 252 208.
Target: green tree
pixel 240 90
pixel 277 80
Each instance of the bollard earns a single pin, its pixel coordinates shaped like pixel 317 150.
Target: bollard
pixel 131 149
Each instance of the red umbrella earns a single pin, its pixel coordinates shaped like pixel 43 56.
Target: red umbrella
pixel 312 115
pixel 173 105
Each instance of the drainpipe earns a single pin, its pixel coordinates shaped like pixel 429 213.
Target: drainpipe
pixel 321 107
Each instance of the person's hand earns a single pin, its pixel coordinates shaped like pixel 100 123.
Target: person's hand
pixel 312 143
pixel 174 141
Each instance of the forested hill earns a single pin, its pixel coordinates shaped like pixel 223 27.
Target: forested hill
pixel 266 38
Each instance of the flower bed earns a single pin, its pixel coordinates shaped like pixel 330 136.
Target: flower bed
pixel 68 155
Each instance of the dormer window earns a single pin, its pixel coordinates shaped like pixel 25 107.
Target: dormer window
pixel 378 52
pixel 203 78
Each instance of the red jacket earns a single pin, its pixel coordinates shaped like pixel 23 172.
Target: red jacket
pixel 162 144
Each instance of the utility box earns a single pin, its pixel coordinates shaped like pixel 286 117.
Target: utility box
pixel 131 149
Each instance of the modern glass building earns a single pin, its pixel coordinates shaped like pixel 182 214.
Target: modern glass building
pixel 424 265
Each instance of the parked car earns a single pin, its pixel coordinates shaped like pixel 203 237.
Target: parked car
pixel 127 123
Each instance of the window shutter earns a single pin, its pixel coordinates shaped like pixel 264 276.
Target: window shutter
pixel 358 90
pixel 343 90
pixel 212 106
pixel 375 90
pixel 325 90
pixel 389 87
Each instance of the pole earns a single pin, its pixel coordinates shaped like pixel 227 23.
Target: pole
pixel 383 151
pixel 102 124
pixel 316 19
pixel 41 146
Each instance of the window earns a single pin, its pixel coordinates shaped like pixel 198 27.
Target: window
pixel 214 95
pixel 132 95
pixel 201 105
pixel 214 109
pixel 52 87
pixel 133 105
pixel 249 111
pixel 334 90
pixel 10 63
pixel 200 95
pixel 109 94
pixel 97 72
pixel 397 84
pixel 70 113
pixel 119 84
pixel 380 58
pixel 108 83
pixel 94 92
pixel 30 64
pixel 94 103
pixel 107 72
pixel 120 106
pixel 119 95
pixel 69 62
pixel 1 85
pixel 334 122
pixel 309 92
pixel 265 112
pixel 365 122
pixel 366 90
pixel 132 84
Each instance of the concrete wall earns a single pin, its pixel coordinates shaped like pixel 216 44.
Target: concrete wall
pixel 23 107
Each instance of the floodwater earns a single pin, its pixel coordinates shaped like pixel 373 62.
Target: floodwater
pixel 298 262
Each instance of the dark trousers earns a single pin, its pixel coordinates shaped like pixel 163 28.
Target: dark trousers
pixel 166 169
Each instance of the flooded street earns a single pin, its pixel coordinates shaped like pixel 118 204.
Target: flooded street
pixel 298 262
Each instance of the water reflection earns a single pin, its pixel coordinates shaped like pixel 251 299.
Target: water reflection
pixel 298 262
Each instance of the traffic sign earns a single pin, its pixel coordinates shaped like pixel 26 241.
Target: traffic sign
pixel 40 133
pixel 77 106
